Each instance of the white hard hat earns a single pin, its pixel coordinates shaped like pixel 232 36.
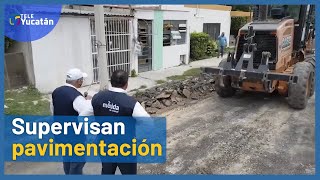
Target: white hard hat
pixel 75 74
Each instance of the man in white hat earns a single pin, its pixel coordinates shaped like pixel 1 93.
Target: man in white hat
pixel 68 101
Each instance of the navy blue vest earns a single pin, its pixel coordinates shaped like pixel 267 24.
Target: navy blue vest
pixel 62 99
pixel 109 103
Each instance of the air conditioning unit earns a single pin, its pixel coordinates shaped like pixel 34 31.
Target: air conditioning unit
pixel 175 35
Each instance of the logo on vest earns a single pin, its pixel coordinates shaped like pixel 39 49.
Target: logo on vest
pixel 112 107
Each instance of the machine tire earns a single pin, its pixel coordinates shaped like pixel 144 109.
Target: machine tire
pixel 299 93
pixel 312 63
pixel 312 83
pixel 227 90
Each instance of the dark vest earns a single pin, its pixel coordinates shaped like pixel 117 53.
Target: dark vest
pixel 62 99
pixel 109 103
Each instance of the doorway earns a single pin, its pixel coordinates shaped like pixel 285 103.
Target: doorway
pixel 213 29
pixel 145 39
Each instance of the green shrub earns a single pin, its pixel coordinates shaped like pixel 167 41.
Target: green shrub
pixel 192 72
pixel 245 8
pixel 211 48
pixel 198 45
pixel 160 81
pixel 186 74
pixel 133 73
pixel 201 46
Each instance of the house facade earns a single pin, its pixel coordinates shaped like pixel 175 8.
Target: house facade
pixel 140 38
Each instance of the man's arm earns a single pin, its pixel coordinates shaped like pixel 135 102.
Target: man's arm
pixel 83 106
pixel 142 118
pixel 139 111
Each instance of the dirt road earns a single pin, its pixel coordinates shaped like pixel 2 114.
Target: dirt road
pixel 247 134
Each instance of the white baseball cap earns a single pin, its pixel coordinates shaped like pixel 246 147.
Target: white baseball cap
pixel 75 74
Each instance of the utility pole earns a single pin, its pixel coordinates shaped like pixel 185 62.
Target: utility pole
pixel 101 42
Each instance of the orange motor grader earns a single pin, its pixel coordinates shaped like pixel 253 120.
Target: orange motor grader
pixel 274 53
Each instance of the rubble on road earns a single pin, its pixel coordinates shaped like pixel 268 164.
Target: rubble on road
pixel 176 93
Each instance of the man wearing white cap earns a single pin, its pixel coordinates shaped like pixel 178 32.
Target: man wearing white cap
pixel 68 101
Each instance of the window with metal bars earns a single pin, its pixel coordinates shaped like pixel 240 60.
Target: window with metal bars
pixel 171 28
pixel 118 45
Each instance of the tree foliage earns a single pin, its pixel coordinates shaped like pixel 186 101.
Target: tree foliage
pixel 236 24
pixel 245 8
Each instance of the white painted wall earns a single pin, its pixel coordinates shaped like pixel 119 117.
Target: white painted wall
pixel 199 16
pixel 144 14
pixel 176 15
pixel 171 55
pixel 195 19
pixel 173 7
pixel 210 16
pixel 67 46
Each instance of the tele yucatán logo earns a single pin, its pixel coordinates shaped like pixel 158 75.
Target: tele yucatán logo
pixel 15 20
pixel 30 20
pixel 27 22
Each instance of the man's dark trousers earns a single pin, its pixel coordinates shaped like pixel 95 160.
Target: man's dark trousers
pixel 221 51
pixel 73 167
pixel 125 168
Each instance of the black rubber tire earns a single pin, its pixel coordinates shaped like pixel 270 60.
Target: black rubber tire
pixel 311 60
pixel 312 83
pixel 298 93
pixel 228 90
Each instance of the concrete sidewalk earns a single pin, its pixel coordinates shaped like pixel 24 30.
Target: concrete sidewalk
pixel 148 79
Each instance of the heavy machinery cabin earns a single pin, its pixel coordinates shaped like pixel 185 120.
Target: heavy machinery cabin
pixel 274 53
